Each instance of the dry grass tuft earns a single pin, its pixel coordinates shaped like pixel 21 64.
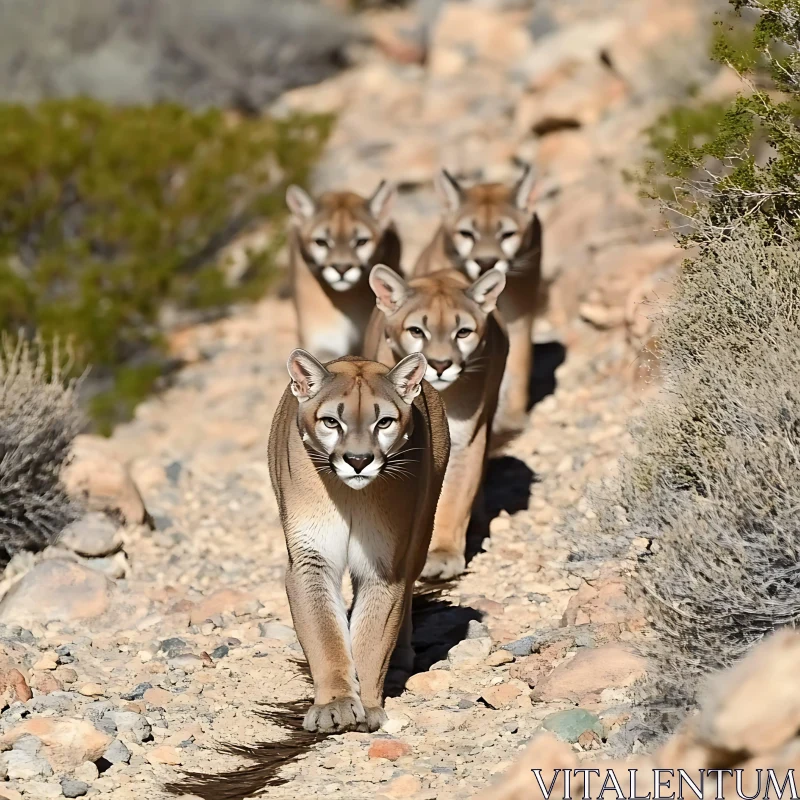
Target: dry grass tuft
pixel 39 417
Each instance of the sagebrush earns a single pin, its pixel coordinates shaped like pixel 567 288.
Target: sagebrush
pixel 715 481
pixel 39 418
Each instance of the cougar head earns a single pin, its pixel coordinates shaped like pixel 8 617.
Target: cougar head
pixel 442 315
pixel 355 416
pixel 486 225
pixel 340 231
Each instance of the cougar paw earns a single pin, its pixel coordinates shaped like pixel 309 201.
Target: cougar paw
pixel 341 714
pixel 442 565
pixel 375 717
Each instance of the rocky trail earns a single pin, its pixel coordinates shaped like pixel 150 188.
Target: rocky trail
pixel 128 653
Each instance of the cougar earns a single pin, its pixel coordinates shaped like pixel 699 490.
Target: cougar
pixel 333 242
pixel 357 456
pixel 450 321
pixel 491 226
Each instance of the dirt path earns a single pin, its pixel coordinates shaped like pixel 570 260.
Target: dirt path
pixel 198 633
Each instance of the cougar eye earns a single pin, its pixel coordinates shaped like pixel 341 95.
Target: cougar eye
pixel 385 422
pixel 416 332
pixel 467 234
pixel 361 242
pixel 321 242
pixel 507 234
pixel 329 422
pixel 464 332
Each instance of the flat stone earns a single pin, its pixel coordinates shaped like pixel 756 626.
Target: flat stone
pixel 157 697
pixel 428 684
pixel 590 672
pixel 225 601
pixel 502 695
pixel 164 755
pixel 73 788
pixel 276 630
pixel 568 725
pixel 22 766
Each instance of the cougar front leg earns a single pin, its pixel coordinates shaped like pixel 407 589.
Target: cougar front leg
pixel 446 554
pixel 313 586
pixel 512 408
pixel 378 611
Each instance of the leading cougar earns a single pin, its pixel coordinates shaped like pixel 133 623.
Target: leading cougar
pixel 357 456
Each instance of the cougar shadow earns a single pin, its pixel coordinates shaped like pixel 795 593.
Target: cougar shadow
pixel 508 481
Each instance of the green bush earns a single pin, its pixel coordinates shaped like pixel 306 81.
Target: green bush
pixel 109 216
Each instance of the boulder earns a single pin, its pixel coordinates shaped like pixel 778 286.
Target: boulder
pixel 56 590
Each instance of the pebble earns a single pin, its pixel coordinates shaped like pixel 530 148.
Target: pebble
pixel 499 657
pixel 132 724
pixel 73 788
pixel 500 696
pixel 390 749
pixel 521 647
pixel 117 753
pixel 47 661
pixel 157 697
pixel 87 772
pixel 469 652
pixel 93 536
pixel 164 755
pixel 91 690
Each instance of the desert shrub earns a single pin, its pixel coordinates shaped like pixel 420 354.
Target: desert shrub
pixel 110 217
pixel 39 418
pixel 716 477
pixel 715 480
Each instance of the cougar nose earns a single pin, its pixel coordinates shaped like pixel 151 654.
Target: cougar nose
pixel 439 366
pixel 358 462
pixel 486 263
pixel 342 268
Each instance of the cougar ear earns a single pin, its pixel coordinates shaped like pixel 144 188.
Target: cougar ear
pixel 486 289
pixel 450 190
pixel 390 289
pixel 381 202
pixel 524 188
pixel 407 376
pixel 300 203
pixel 307 374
